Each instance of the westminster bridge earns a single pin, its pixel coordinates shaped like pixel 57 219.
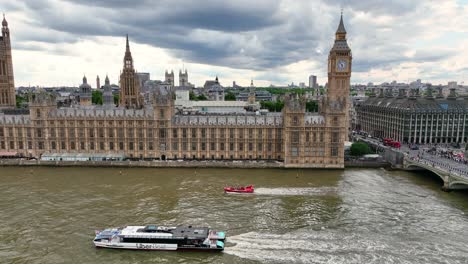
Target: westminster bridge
pixel 453 174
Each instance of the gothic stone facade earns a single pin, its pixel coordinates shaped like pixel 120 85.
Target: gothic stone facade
pixel 299 138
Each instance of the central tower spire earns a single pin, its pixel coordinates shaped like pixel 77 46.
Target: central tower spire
pixel 128 60
pixel 129 84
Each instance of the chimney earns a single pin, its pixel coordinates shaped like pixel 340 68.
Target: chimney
pixel 429 92
pixel 401 93
pixel 440 93
pixel 452 95
pixel 381 94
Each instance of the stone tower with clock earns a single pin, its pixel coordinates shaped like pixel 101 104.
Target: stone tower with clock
pixel 339 67
pixel 335 105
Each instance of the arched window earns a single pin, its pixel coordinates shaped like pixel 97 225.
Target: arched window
pixel 295 121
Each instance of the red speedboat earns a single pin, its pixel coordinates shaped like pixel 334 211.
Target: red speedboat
pixel 241 189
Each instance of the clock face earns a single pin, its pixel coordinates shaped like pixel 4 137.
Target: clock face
pixel 342 65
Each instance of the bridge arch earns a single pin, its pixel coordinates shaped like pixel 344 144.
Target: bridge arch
pixel 428 168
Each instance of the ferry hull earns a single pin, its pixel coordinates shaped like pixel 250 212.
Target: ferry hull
pixel 153 247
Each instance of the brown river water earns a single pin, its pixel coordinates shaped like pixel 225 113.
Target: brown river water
pixel 48 215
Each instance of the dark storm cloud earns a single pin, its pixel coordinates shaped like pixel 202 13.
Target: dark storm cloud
pixel 240 34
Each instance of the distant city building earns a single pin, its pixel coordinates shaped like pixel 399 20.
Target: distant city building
pixel 85 93
pixel 169 78
pixel 143 77
pixel 108 97
pixel 7 82
pixel 260 95
pixel 98 83
pixel 183 78
pixel 415 118
pixel 302 85
pixel 214 90
pixel 313 81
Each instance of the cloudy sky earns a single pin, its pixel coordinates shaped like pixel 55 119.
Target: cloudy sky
pixel 55 42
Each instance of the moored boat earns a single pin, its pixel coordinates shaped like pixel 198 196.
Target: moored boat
pixel 241 189
pixel 153 237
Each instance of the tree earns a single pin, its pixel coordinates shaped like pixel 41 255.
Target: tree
pixel 311 106
pixel 20 100
pixel 229 97
pixel 192 96
pixel 272 106
pixel 201 97
pixel 359 149
pixel 97 97
pixel 116 99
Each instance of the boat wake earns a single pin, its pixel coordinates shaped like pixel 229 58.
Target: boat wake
pixel 307 247
pixel 296 191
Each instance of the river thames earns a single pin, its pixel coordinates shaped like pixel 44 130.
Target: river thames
pixel 48 215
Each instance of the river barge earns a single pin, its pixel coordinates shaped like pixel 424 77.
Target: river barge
pixel 153 237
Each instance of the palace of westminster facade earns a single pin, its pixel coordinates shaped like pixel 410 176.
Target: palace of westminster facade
pixel 155 131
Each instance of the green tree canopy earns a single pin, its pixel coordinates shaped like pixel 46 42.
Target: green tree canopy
pixel 229 97
pixel 359 149
pixel 97 97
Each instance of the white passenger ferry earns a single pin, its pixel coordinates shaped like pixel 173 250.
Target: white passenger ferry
pixel 153 237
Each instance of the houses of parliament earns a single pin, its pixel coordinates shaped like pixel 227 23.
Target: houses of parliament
pixel 134 129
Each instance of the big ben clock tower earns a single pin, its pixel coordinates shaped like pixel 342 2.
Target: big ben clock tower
pixel 339 68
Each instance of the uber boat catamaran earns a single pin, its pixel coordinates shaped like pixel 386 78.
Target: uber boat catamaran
pixel 152 237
